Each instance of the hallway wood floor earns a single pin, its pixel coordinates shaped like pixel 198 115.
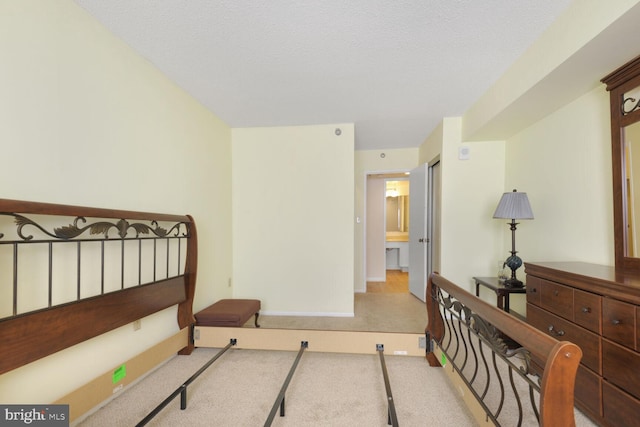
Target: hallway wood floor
pixel 397 282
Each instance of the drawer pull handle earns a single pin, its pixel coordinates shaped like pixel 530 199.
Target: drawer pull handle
pixel 616 322
pixel 555 293
pixel 555 332
pixel 533 290
pixel 586 309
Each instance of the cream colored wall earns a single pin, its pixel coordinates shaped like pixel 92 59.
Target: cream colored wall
pixel 369 161
pixel 470 238
pixel 293 218
pixel 431 148
pixel 558 153
pixel 563 163
pixel 86 121
pixel 510 105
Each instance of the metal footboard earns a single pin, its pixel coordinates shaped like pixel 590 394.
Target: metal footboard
pixel 517 374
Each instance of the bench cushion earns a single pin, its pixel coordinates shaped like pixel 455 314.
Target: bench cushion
pixel 228 312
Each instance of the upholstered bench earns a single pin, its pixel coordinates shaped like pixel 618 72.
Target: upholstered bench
pixel 229 312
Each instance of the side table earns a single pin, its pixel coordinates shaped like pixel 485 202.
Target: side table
pixel 502 291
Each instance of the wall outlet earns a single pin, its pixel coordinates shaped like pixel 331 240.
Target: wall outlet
pixel 137 325
pixel 422 342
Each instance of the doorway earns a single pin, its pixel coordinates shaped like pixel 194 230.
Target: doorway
pixel 387 221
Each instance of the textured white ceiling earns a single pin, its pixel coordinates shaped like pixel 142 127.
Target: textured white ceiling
pixel 394 68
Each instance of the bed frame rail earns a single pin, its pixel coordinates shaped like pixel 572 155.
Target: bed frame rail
pixel 152 266
pixel 182 389
pixel 392 416
pixel 280 400
pixel 518 375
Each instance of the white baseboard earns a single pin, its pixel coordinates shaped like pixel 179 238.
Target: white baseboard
pixel 376 279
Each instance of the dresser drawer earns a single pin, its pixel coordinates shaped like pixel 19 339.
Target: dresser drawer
pixel 588 391
pixel 620 409
pixel 608 379
pixel 621 367
pixel 562 330
pixel 587 310
pixel 618 322
pixel 557 298
pixel 533 290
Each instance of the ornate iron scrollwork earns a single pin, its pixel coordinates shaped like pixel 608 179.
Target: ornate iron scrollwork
pixel 490 377
pixel 489 332
pixel 495 339
pixel 77 228
pixel 635 106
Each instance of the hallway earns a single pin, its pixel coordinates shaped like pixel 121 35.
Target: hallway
pixel 397 282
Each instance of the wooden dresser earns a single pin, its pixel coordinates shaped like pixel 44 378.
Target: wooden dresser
pixel 598 308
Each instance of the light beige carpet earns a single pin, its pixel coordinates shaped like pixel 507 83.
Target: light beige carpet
pixel 390 312
pixel 326 390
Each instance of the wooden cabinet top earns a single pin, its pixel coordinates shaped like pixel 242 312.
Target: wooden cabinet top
pixel 599 279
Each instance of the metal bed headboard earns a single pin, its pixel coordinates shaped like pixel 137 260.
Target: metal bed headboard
pixel 70 273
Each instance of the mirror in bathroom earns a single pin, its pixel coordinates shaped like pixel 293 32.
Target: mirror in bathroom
pixel 397 210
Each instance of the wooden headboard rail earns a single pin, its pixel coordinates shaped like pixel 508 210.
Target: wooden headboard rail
pixel 31 335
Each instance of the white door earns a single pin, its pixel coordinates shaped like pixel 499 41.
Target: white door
pixel 418 241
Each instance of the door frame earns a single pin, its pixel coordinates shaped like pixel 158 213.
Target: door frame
pixel 365 216
pixel 432 211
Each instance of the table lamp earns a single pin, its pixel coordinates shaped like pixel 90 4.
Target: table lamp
pixel 513 206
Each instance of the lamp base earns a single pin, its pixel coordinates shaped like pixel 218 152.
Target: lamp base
pixel 513 262
pixel 513 283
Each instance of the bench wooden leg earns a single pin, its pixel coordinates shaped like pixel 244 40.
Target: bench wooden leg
pixel 256 319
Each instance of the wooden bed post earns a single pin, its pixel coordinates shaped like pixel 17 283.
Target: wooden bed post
pixel 185 308
pixel 558 382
